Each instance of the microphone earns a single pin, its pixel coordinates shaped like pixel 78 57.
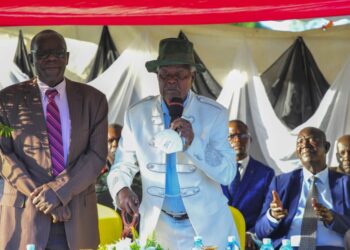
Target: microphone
pixel 176 108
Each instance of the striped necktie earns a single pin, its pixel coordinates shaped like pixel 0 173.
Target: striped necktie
pixel 309 221
pixel 54 129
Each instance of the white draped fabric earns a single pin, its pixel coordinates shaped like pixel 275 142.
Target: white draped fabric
pixel 126 81
pixel 273 142
pixel 9 72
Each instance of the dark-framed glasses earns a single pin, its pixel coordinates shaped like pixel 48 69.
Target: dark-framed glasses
pixel 114 139
pixel 242 136
pixel 44 54
pixel 178 77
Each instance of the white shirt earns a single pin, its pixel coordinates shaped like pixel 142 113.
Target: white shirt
pixel 62 104
pixel 243 166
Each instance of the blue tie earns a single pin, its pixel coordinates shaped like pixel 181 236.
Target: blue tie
pixel 235 183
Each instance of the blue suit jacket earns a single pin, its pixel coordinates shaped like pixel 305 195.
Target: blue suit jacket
pixel 252 190
pixel 289 187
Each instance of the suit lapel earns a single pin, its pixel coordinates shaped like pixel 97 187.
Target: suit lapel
pixel 157 116
pixel 32 98
pixel 188 109
pixel 294 189
pixel 246 180
pixel 75 105
pixel 336 186
pixel 37 124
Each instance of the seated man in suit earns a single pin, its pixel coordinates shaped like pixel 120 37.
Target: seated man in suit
pixel 343 154
pixel 102 193
pixel 252 179
pixel 311 205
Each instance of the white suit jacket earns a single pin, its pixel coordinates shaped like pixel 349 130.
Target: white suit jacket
pixel 207 163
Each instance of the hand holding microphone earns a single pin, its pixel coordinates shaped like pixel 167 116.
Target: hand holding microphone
pixel 180 125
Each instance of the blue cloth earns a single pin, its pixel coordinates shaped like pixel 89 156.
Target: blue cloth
pixel 172 202
pixel 289 188
pixel 251 192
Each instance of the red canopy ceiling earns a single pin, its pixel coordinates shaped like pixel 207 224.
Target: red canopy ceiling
pixel 167 12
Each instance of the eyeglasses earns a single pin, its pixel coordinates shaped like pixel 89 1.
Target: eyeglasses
pixel 111 140
pixel 242 136
pixel 178 77
pixel 60 53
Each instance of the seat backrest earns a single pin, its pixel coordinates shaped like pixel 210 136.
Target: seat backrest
pixel 110 225
pixel 240 224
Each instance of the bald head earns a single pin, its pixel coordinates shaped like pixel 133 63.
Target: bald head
pixel 312 148
pixel 44 35
pixel 343 153
pixel 239 138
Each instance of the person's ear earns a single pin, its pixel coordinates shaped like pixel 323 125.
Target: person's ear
pixel 193 75
pixel 297 154
pixel 338 157
pixel 31 59
pixel 67 58
pixel 327 146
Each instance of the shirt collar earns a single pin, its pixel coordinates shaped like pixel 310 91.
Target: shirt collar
pixel 61 88
pixel 244 162
pixel 321 176
pixel 165 107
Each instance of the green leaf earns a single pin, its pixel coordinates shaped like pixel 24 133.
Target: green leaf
pixel 134 246
pixel 5 131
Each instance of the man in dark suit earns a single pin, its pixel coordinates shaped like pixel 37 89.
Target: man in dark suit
pixel 252 181
pixel 54 155
pixel 289 207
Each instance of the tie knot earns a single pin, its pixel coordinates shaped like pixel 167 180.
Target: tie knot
pixel 313 179
pixel 51 93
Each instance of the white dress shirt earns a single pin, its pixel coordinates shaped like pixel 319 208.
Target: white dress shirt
pixel 62 104
pixel 243 166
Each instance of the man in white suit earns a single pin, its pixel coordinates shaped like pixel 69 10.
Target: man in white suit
pixel 182 196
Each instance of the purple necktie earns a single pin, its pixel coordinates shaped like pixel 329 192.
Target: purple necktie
pixel 54 129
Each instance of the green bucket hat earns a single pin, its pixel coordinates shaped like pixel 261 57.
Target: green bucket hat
pixel 174 51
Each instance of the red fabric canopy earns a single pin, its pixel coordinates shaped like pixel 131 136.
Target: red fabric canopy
pixel 167 12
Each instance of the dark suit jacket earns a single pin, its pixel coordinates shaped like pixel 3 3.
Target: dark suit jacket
pixel 26 164
pixel 252 190
pixel 289 187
